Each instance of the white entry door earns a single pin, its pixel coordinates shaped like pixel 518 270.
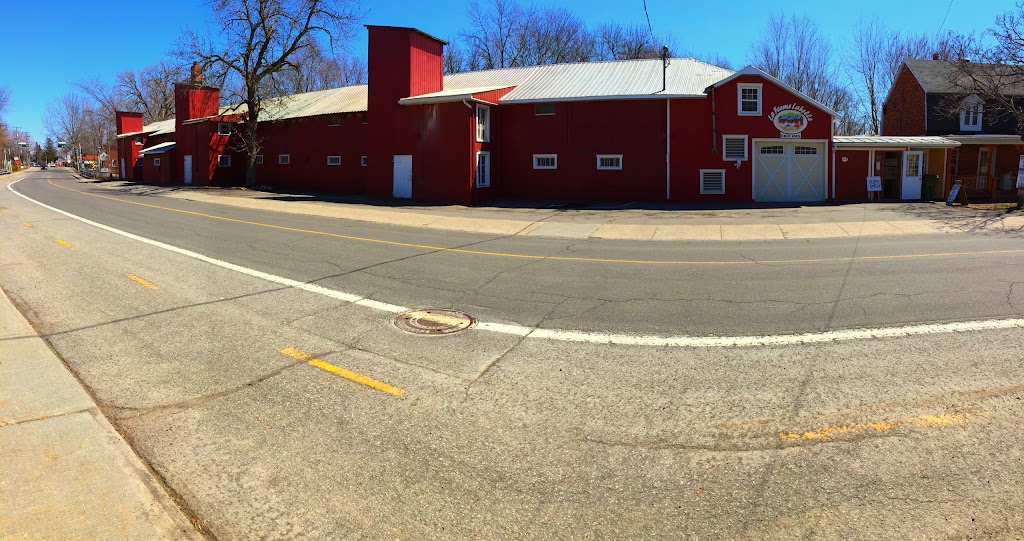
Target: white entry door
pixel 402 187
pixel 912 172
pixel 786 171
pixel 188 169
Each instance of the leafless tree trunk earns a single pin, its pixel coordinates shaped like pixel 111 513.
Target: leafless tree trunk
pixel 260 40
pixel 5 100
pixel 65 119
pixel 454 58
pixel 866 60
pixel 618 42
pixel 496 36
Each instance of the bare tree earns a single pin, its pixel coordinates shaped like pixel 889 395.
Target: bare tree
pixel 866 61
pixel 5 100
pixel 151 89
pixel 313 69
pixel 554 36
pixel 496 36
pixel 261 39
pixel 615 41
pixel 65 119
pixel 454 58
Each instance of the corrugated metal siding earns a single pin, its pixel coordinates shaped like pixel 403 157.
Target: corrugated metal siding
pixel 347 99
pixel 425 68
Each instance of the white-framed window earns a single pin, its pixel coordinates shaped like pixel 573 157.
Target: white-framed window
pixel 971 111
pixel 223 128
pixel 542 109
pixel 483 169
pixel 259 159
pixel 734 147
pixel 984 158
pixel 334 121
pixel 334 160
pixel 749 99
pixel 284 159
pixel 483 123
pixel 362 161
pixel 156 162
pixel 712 181
pixel 223 160
pixel 138 139
pixel 545 161
pixel 805 151
pixel 773 150
pixel 609 161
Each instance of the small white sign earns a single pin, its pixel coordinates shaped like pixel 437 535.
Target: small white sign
pixel 784 135
pixel 874 184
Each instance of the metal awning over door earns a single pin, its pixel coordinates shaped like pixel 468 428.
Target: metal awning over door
pixel 789 171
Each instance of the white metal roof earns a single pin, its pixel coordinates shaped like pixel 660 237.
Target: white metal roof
pixel 987 139
pixel 450 94
pixel 879 141
pixel 347 99
pixel 158 149
pixel 629 79
pixel 156 128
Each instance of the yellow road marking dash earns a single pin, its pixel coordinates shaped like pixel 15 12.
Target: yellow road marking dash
pixel 65 244
pixel 3 210
pixel 826 433
pixel 143 282
pixel 344 372
pixel 27 224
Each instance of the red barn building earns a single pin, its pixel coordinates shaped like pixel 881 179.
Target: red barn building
pixel 623 130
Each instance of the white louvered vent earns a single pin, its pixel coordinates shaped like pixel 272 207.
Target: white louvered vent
pixel 712 181
pixel 734 148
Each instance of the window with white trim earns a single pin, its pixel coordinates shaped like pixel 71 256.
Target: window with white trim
pixel 734 147
pixel 971 111
pixel 773 149
pixel 483 169
pixel 138 139
pixel 609 162
pixel 284 159
pixel 224 160
pixel 749 99
pixel 362 161
pixel 545 161
pixel 223 128
pixel 542 109
pixel 712 181
pixel 334 160
pixel 983 161
pixel 259 159
pixel 156 162
pixel 483 123
pixel 805 151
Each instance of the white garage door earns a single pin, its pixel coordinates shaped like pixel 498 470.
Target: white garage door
pixel 786 171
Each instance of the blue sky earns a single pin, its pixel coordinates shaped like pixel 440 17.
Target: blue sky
pixel 112 35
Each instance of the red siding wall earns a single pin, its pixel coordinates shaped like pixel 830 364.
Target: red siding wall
pixel 851 176
pixel 904 110
pixel 159 174
pixel 127 122
pixel 577 133
pixel 693 149
pixel 309 141
pixel 401 62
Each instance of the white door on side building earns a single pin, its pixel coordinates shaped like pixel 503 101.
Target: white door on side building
pixel 402 187
pixel 912 171
pixel 785 171
pixel 188 169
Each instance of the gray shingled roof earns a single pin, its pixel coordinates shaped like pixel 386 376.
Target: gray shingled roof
pixel 938 77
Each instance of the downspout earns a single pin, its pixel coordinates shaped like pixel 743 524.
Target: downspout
pixel 472 156
pixel 714 131
pixel 668 151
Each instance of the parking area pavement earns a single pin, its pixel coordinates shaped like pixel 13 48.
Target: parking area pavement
pixel 616 221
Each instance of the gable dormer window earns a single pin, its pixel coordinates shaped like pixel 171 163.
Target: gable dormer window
pixel 749 99
pixel 971 111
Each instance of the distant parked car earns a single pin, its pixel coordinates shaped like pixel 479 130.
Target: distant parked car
pixel 4 172
pixel 42 167
pixel 104 171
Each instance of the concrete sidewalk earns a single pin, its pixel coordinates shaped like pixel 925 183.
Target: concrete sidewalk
pixel 67 474
pixel 647 223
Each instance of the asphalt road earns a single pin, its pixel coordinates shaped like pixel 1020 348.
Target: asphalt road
pixel 499 436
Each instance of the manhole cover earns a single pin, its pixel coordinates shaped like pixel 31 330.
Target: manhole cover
pixel 434 322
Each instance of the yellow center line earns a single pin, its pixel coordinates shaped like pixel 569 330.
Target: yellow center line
pixel 27 224
pixel 65 244
pixel 144 283
pixel 826 433
pixel 300 355
pixel 546 257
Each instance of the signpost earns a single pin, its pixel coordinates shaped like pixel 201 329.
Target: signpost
pixel 874 186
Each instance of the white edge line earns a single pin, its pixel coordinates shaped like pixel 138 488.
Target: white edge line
pixel 577 336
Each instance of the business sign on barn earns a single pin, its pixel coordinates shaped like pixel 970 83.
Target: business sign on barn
pixel 790 120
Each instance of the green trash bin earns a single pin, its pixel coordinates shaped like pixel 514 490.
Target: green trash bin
pixel 928 184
